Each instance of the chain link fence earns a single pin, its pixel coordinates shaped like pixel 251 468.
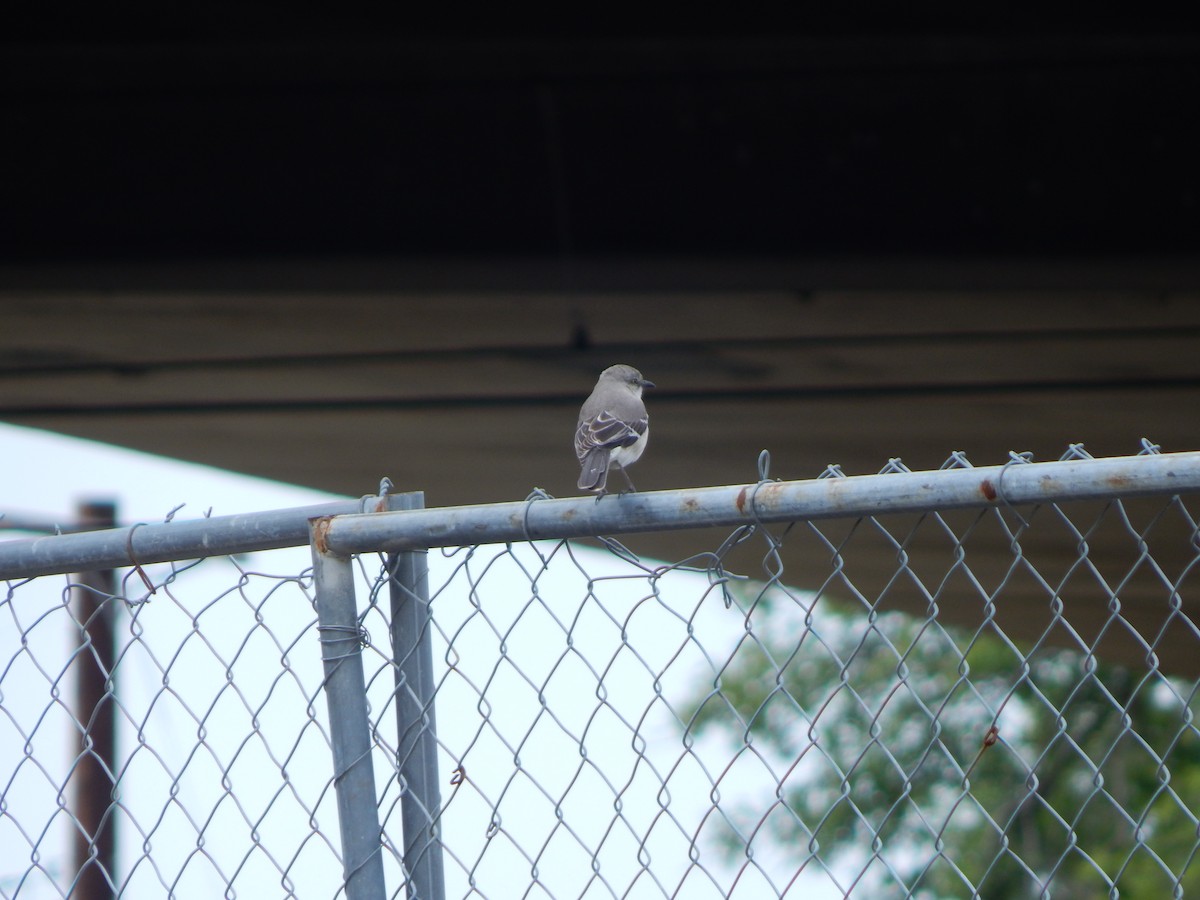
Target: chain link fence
pixel 969 682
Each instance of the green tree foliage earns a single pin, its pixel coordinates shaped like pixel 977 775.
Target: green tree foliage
pixel 927 761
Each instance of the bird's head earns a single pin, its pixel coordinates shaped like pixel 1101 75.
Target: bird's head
pixel 628 376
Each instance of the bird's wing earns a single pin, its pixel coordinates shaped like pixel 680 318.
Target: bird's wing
pixel 593 472
pixel 606 430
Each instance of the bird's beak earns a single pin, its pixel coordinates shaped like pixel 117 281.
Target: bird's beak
pixel 647 384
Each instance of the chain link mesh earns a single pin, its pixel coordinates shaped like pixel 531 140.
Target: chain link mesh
pixel 221 777
pixel 993 703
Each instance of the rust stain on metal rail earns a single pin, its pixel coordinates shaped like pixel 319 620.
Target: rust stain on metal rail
pixel 320 528
pixel 765 501
pixel 768 495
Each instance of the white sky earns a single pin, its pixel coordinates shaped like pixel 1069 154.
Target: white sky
pixel 213 622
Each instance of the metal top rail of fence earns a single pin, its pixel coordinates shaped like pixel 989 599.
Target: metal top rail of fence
pixel 601 726
pixel 766 501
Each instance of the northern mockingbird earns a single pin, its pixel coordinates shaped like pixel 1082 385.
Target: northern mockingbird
pixel 613 427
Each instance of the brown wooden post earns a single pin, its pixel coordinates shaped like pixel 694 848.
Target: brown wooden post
pixel 91 781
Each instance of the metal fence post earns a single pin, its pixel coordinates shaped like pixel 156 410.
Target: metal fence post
pixel 412 650
pixel 349 722
pixel 94 858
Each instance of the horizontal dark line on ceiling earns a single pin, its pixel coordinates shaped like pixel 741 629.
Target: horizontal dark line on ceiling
pixel 748 395
pixel 584 349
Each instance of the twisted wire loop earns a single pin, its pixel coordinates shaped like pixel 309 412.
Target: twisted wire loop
pixel 150 589
pixel 992 702
pixel 356 636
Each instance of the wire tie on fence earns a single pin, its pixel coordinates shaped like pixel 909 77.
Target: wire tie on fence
pixel 1149 448
pixel 764 477
pixel 1075 451
pixel 619 549
pixel 692 564
pixel 957 460
pixel 137 567
pixel 739 535
pixel 742 533
pixel 611 543
pixel 993 735
pixel 356 633
pixel 171 513
pixel 535 495
pixel 458 776
pixel 1013 459
pixel 717 574
pixel 764 465
pixel 373 503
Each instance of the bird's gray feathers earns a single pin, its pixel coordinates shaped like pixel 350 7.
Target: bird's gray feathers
pixel 595 440
pixel 594 474
pixel 612 419
pixel 607 430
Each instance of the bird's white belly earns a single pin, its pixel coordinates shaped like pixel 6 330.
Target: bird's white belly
pixel 624 456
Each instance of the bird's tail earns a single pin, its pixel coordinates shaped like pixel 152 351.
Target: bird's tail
pixel 595 470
